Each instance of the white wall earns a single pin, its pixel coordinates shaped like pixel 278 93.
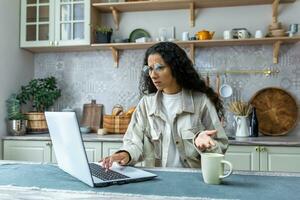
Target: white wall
pixel 215 19
pixel 16 65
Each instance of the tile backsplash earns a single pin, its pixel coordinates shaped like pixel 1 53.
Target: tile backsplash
pixel 84 76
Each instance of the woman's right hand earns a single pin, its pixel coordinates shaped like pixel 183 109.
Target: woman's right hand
pixel 122 158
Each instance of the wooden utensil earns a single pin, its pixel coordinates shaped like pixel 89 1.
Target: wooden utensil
pixel 218 84
pixel 276 110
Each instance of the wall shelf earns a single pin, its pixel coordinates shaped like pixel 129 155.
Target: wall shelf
pixel 116 8
pixel 115 47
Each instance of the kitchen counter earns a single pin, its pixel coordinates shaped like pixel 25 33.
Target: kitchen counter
pixel 293 141
pixel 90 137
pixel 262 140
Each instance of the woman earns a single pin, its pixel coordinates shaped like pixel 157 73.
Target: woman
pixel 177 119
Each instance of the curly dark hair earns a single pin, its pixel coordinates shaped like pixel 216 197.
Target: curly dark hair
pixel 182 69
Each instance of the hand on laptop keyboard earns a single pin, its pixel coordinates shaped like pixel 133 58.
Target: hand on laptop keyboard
pixel 105 174
pixel 121 157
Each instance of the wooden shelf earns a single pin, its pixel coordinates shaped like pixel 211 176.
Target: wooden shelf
pixel 275 41
pixel 177 4
pixel 115 47
pixel 117 7
pixel 202 43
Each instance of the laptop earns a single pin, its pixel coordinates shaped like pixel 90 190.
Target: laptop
pixel 71 156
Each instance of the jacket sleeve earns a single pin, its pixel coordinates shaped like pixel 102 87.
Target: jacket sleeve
pixel 134 136
pixel 211 121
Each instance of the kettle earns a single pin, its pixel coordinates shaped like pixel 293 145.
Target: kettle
pixel 205 35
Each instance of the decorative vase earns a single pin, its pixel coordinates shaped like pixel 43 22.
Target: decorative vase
pixel 17 127
pixel 242 129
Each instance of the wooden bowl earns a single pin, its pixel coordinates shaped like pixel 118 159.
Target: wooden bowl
pixel 277 111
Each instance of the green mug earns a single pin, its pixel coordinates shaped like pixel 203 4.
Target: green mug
pixel 212 167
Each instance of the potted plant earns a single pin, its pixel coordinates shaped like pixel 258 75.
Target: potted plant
pixel 41 93
pixel 16 120
pixel 103 34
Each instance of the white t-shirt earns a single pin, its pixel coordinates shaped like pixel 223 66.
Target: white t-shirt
pixel 171 103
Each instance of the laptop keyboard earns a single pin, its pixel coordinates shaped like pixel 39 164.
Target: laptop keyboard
pixel 105 174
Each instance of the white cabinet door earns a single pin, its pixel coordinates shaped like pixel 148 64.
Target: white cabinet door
pixel 280 159
pixel 93 151
pixel 50 23
pixel 37 24
pixel 35 151
pixel 110 148
pixel 243 157
pixel 72 22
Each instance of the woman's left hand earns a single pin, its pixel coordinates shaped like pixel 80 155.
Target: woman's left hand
pixel 204 140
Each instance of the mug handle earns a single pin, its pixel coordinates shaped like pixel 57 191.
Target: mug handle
pixel 230 169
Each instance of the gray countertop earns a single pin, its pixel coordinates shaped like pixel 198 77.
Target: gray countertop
pixel 90 137
pixel 262 140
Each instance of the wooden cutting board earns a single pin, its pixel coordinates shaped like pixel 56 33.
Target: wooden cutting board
pixel 276 110
pixel 92 116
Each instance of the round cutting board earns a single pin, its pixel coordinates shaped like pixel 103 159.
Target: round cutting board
pixel 276 110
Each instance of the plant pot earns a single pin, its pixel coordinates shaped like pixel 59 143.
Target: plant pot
pixel 17 127
pixel 36 122
pixel 103 37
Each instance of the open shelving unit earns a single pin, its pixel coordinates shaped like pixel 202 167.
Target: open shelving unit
pixel 118 7
pixel 115 47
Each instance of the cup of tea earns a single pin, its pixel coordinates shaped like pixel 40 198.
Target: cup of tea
pixel 212 167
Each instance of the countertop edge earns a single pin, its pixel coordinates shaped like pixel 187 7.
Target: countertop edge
pixel 248 141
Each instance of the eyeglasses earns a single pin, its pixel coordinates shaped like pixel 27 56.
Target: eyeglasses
pixel 157 68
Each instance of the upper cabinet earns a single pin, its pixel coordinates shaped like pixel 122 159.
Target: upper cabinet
pixel 46 23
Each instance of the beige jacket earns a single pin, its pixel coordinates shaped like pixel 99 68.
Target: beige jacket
pixel 143 138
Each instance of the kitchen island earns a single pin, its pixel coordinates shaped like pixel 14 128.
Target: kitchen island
pixel 47 181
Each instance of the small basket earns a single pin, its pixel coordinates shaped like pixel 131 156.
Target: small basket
pixel 116 124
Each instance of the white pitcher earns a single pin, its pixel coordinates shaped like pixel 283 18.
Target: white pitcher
pixel 242 129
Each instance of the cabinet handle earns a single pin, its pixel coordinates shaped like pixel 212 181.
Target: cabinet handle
pixel 49 144
pixel 56 43
pixel 51 43
pixel 263 149
pixel 257 149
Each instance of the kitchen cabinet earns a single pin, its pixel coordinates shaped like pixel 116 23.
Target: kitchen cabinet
pixel 42 151
pixel 35 151
pixel 110 148
pixel 49 23
pixel 264 158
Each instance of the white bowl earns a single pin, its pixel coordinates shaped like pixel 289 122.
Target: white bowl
pixel 85 129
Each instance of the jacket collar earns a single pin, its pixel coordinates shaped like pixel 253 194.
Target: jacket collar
pixel 187 103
